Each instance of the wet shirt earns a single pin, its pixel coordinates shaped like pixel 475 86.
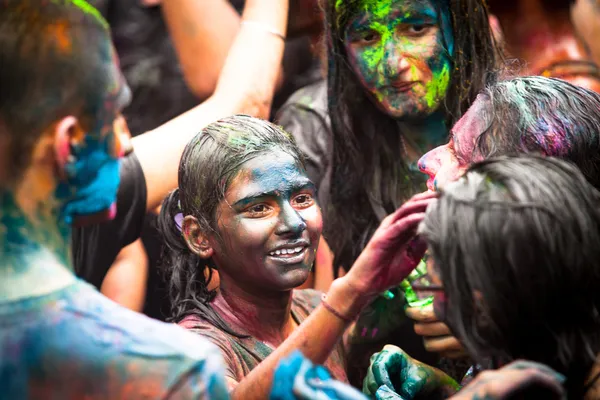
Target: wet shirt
pixel 76 344
pixel 242 355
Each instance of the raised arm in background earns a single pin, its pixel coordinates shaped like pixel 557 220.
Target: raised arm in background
pixel 246 86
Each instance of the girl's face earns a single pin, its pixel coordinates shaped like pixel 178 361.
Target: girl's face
pixel 269 223
pixel 401 54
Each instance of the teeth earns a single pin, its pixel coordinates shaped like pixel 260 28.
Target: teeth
pixel 287 251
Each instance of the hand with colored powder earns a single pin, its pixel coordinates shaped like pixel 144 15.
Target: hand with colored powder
pixel 394 250
pixel 298 378
pixel 393 374
pixel 519 379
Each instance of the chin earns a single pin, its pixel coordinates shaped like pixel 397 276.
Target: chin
pixel 294 278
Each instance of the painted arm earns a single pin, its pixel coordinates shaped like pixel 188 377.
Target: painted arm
pixel 125 282
pixel 245 86
pixel 390 256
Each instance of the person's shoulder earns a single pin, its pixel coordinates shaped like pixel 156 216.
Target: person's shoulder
pixel 311 97
pixel 91 336
pixel 144 336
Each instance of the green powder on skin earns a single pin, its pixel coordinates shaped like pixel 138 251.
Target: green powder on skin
pixel 436 88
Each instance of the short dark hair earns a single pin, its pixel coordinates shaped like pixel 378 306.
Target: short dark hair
pixel 53 57
pixel 549 116
pixel 522 233
pixel 208 165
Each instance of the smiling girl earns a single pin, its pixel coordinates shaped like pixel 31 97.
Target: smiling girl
pixel 247 208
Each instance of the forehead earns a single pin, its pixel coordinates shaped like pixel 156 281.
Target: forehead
pixel 380 9
pixel 275 171
pixel 471 124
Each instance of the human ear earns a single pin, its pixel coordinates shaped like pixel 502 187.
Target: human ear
pixel 68 134
pixel 195 239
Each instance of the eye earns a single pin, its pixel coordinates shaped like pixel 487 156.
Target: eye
pixel 303 200
pixel 364 37
pixel 257 210
pixel 418 29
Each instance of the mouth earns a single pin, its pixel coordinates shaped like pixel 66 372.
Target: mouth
pixel 290 253
pixel 431 184
pixel 403 86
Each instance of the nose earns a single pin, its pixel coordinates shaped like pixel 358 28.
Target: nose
pixel 290 221
pixel 394 61
pixel 430 162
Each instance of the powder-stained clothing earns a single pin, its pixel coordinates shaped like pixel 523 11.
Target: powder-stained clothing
pixel 242 355
pixel 76 344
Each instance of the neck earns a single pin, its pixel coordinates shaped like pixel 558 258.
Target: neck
pixel 422 135
pixel 34 248
pixel 265 316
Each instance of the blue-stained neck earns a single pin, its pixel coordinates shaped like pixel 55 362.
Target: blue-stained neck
pixel 35 256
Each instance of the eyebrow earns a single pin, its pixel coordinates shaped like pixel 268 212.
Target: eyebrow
pixel 306 184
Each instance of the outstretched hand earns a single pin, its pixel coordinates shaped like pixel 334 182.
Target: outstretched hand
pixel 393 374
pixel 526 378
pixel 394 250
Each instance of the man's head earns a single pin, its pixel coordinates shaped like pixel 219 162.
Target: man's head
pixel 62 92
pixel 522 115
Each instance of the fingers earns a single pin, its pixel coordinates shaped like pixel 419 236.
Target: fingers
pixel 442 344
pixel 404 229
pixel 432 329
pixel 422 314
pixel 503 382
pixel 418 202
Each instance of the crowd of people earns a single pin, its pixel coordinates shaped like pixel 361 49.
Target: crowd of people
pixel 308 199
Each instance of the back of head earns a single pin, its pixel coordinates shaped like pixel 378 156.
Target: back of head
pixel 53 57
pixel 208 165
pixel 544 115
pixel 516 243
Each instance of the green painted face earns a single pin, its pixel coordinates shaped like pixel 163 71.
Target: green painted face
pixel 401 54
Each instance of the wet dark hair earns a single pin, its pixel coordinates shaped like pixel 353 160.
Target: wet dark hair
pixel 367 142
pixel 516 243
pixel 53 63
pixel 549 116
pixel 208 165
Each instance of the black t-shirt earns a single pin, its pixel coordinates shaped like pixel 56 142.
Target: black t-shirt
pixel 95 247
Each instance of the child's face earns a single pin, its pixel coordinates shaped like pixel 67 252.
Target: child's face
pixel 269 223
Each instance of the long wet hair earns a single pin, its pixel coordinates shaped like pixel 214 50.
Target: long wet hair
pixel 545 115
pixel 208 165
pixel 368 163
pixel 515 242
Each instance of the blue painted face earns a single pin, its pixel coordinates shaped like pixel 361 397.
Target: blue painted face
pixel 270 224
pixel 93 177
